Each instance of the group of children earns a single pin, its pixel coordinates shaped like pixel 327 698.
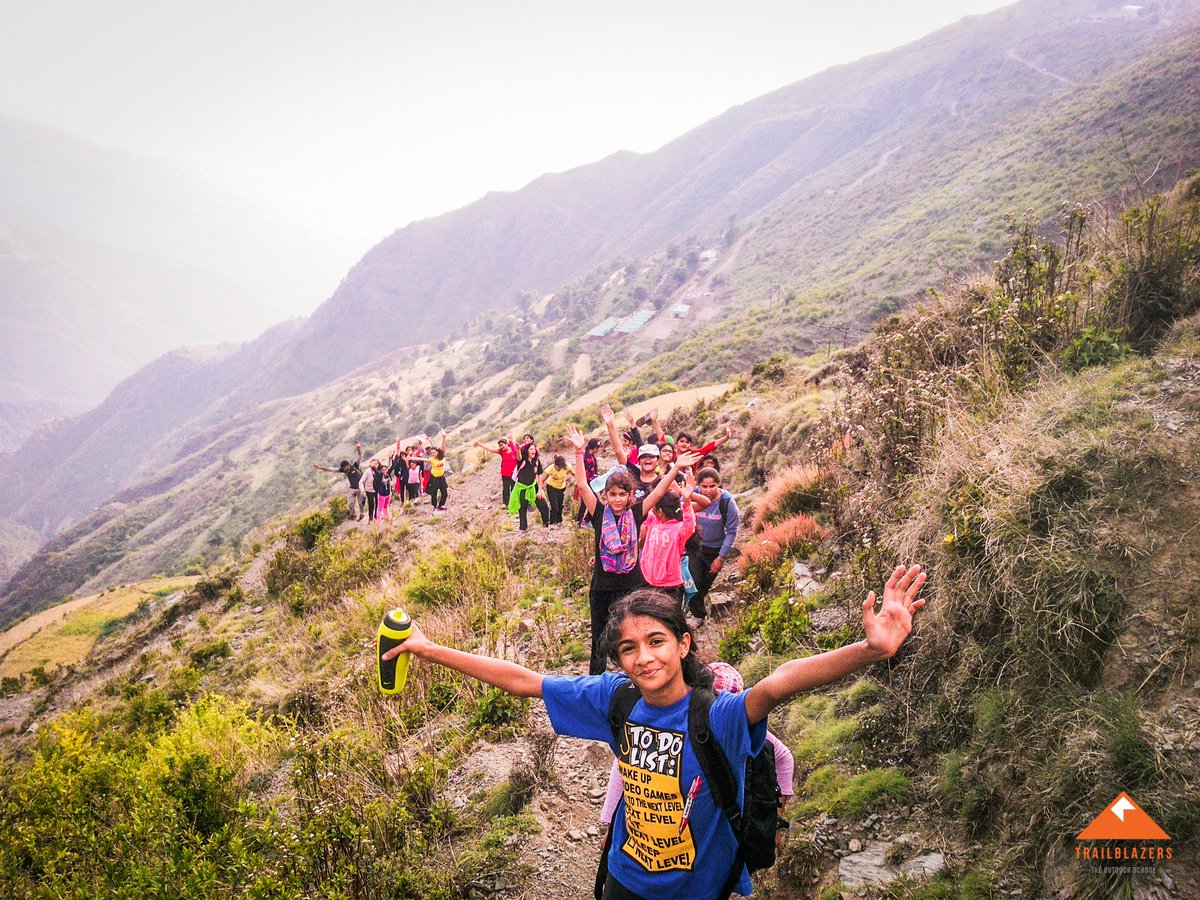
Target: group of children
pixel 665 519
pixel 522 476
pixel 661 519
pixel 405 474
pixel 663 526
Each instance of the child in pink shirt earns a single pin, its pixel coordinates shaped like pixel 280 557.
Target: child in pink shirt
pixel 665 533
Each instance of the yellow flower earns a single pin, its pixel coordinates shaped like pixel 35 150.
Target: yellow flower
pixel 949 539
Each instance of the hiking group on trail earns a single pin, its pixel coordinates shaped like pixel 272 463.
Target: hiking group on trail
pixel 403 476
pixel 698 782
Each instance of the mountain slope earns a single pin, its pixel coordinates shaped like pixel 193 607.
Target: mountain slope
pixel 78 317
pixel 438 272
pixel 876 177
pixel 1042 474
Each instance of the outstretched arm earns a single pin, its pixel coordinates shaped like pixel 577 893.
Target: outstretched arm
pixel 658 429
pixel 488 449
pixel 508 676
pixel 713 445
pixel 886 631
pixel 586 495
pixel 664 483
pixel 610 422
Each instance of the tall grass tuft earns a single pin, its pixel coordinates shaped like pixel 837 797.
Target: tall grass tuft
pixel 794 536
pixel 798 489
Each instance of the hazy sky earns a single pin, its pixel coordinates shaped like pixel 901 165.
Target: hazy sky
pixel 355 118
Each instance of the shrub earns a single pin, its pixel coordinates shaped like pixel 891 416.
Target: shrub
pixel 313 527
pixel 498 711
pixel 795 536
pixel 305 580
pixel 205 653
pixel 472 570
pixel 1095 347
pixel 798 489
pixel 783 624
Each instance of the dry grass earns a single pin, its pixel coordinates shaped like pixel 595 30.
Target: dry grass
pixel 797 489
pixel 791 537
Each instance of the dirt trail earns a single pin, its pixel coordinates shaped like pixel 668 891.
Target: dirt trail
pixel 878 167
pixel 1012 54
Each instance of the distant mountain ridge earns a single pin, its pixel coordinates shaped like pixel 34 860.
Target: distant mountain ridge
pixel 755 155
pixel 108 260
pixel 868 180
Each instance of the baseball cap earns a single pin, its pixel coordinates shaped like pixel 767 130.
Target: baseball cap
pixel 648 450
pixel 598 483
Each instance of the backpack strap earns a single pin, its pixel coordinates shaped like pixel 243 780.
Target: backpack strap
pixel 624 699
pixel 719 774
pixel 723 506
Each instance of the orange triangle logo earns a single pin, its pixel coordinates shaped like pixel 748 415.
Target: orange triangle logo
pixel 1123 820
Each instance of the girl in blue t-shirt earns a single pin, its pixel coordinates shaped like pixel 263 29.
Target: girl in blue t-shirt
pixel 670 840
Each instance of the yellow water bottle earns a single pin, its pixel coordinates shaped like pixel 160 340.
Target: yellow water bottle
pixel 393 630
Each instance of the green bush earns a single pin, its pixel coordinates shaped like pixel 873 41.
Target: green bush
pixel 499 711
pixel 472 570
pixel 205 653
pixel 313 527
pixel 784 624
pixel 306 580
pixel 1094 347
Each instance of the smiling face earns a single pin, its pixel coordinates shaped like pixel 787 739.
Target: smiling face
pixel 652 657
pixel 617 499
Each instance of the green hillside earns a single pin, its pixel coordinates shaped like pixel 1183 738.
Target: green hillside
pixel 1030 438
pixel 788 224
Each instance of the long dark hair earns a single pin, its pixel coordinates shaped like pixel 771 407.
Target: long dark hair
pixel 666 609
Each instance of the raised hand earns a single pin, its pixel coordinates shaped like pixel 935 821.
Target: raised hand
pixel 629 417
pixel 575 436
pixel 606 414
pixel 888 628
pixel 686 460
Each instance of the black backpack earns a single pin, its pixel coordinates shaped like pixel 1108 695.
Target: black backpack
pixel 755 824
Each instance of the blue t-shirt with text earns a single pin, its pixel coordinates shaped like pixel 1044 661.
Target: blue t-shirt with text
pixel 657 851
